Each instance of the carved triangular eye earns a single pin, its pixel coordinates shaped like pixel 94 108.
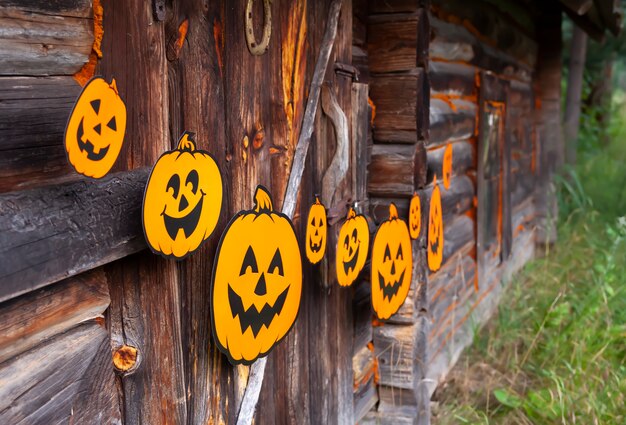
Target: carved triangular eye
pixel 249 260
pixel 112 124
pixel 95 104
pixel 387 256
pixel 320 222
pixel 399 256
pixel 276 266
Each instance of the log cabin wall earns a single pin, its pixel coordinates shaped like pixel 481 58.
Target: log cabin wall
pixel 440 70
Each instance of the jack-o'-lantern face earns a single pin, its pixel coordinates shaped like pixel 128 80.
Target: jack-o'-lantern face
pixel 415 216
pixel 352 248
pixel 447 166
pixel 435 230
pixel 182 201
pixel 316 232
pixel 392 265
pixel 257 282
pixel 95 129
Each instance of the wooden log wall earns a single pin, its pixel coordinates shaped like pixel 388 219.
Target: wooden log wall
pixel 469 39
pixel 398 33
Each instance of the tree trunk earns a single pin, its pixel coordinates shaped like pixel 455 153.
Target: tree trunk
pixel 578 52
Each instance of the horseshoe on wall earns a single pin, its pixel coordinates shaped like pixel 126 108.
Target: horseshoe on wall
pixel 255 48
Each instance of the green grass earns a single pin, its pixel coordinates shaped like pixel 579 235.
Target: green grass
pixel 556 351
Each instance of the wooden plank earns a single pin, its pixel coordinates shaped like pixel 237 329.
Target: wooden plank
pixel 365 398
pixel 33 318
pixel 451 120
pixel 38 387
pixel 396 170
pixel 52 233
pixel 397 98
pixel 33 115
pixel 45 39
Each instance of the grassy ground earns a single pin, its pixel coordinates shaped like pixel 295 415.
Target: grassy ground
pixel 556 351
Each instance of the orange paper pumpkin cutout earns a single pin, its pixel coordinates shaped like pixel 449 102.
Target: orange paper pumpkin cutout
pixel 316 232
pixel 447 166
pixel 435 230
pixel 182 201
pixel 352 248
pixel 391 265
pixel 95 130
pixel 257 282
pixel 415 216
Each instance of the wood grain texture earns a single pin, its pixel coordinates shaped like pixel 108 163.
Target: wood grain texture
pixel 45 39
pixel 33 115
pixel 462 160
pixel 55 232
pixel 33 318
pixel 396 170
pixel 450 78
pixel 451 120
pixel 38 387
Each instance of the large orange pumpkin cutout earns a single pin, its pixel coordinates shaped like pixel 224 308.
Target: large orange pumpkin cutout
pixel 352 248
pixel 257 282
pixel 391 265
pixel 447 166
pixel 182 201
pixel 435 229
pixel 415 216
pixel 95 130
pixel 316 232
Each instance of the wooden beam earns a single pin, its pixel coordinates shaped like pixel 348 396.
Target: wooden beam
pixel 450 78
pixel 33 115
pixel 45 38
pixel 462 160
pixel 52 233
pixel 35 317
pixel 450 120
pixel 396 170
pixel 68 379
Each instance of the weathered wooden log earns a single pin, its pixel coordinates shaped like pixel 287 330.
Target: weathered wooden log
pixel 396 170
pixel 51 233
pixel 365 398
pixel 462 160
pixel 456 236
pixel 68 379
pixel 448 286
pixel 398 42
pixel 491 26
pixel 362 308
pixel 399 99
pixel 455 43
pixel 449 78
pixel 33 115
pixel 45 38
pixel 454 202
pixel 28 320
pixel 396 6
pixel 450 120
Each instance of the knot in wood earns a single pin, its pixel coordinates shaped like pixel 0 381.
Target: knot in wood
pixel 125 358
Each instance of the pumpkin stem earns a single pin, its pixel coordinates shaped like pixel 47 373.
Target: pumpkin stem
pixel 113 85
pixel 393 212
pixel 186 142
pixel 351 213
pixel 317 200
pixel 262 200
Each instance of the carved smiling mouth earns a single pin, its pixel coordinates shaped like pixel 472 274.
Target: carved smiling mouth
pixel 315 247
pixel 87 146
pixel 390 291
pixel 351 264
pixel 253 318
pixel 188 223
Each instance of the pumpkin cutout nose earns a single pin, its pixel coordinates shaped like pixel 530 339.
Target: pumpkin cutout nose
pixel 261 288
pixel 393 267
pixel 183 203
pixel 97 128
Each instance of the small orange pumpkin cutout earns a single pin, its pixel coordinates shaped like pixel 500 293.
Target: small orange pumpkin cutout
pixel 95 130
pixel 257 282
pixel 415 216
pixel 316 232
pixel 182 201
pixel 391 266
pixel 352 248
pixel 435 229
pixel 447 166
